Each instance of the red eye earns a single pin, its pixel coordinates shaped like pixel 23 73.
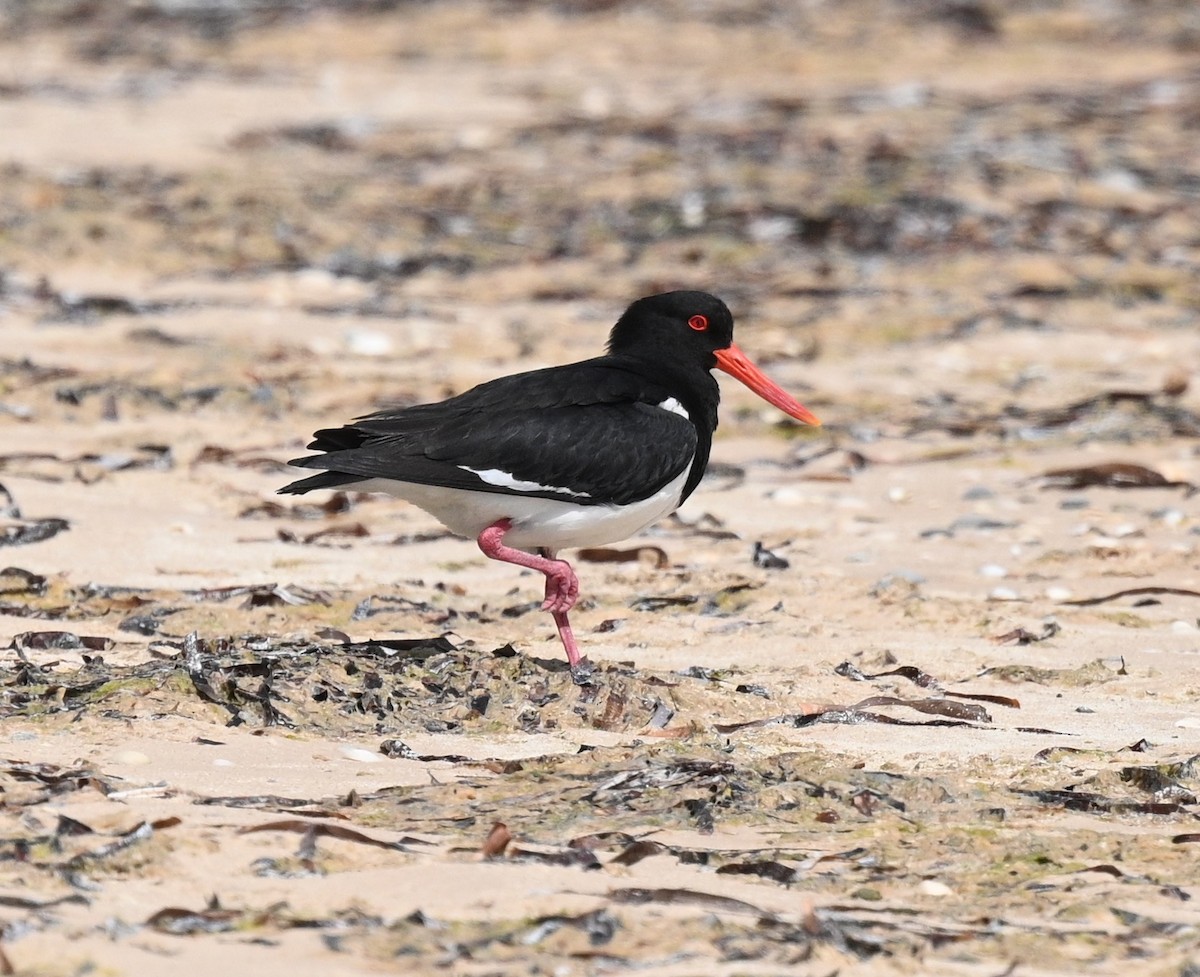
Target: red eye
pixel 698 322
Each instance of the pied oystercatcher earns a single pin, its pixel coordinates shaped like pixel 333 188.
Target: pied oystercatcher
pixel 577 455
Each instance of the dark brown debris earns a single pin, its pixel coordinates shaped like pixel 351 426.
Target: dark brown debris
pixel 1132 592
pixel 764 559
pixel 15 580
pixel 1022 636
pixel 1115 474
pixel 637 896
pixel 189 922
pixel 497 841
pixel 59 641
pixel 324 830
pixel 31 531
pixel 656 556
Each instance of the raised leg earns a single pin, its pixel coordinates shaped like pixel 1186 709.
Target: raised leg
pixel 562 586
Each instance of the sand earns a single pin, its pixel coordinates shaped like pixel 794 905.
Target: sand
pixel 945 723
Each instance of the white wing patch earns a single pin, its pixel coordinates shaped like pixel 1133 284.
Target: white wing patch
pixel 675 407
pixel 502 479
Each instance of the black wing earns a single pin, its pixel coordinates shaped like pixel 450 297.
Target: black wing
pixel 587 433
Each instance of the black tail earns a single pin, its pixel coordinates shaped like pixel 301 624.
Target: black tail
pixel 338 438
pixel 322 480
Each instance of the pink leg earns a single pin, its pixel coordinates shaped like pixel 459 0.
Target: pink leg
pixel 566 636
pixel 562 586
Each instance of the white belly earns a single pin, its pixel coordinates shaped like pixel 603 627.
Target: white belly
pixel 536 522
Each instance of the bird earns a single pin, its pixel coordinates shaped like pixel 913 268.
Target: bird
pixel 577 455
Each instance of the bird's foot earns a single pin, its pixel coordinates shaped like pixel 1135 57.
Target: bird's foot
pixel 562 587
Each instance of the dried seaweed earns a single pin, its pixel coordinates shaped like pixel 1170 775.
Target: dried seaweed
pixel 1094 803
pixel 8 505
pixel 1117 474
pixel 263 595
pixel 627 785
pixel 212 454
pixel 274 802
pixel 764 559
pixel 313 831
pixel 139 833
pixel 32 531
pixel 148 623
pixel 941 704
pixel 1132 592
pixel 936 707
pixel 219 686
pixel 23 902
pixel 635 851
pixel 88 468
pixel 14 580
pixel 764 869
pixel 910 672
pixel 658 603
pixel 656 555
pixel 177 921
pixel 338 503
pixel 706 525
pixel 639 896
pixel 59 641
pixel 564 858
pixel 1022 636
pixel 355 530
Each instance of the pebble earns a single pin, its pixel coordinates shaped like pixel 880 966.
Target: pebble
pixel 1059 593
pixel 993 570
pixel 359 755
pixel 932 887
pixel 977 492
pixel 1074 502
pixel 1183 627
pixel 363 342
pixel 222 762
pixel 788 496
pixel 1004 593
pixel 980 523
pixel 898 493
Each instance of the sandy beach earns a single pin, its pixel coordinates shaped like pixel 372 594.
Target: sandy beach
pixel 911 693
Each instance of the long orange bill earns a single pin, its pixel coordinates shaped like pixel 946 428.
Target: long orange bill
pixel 737 364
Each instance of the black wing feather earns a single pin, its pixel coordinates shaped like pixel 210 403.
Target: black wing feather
pixel 587 427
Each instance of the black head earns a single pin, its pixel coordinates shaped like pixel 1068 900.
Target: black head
pixel 682 334
pixel 684 328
